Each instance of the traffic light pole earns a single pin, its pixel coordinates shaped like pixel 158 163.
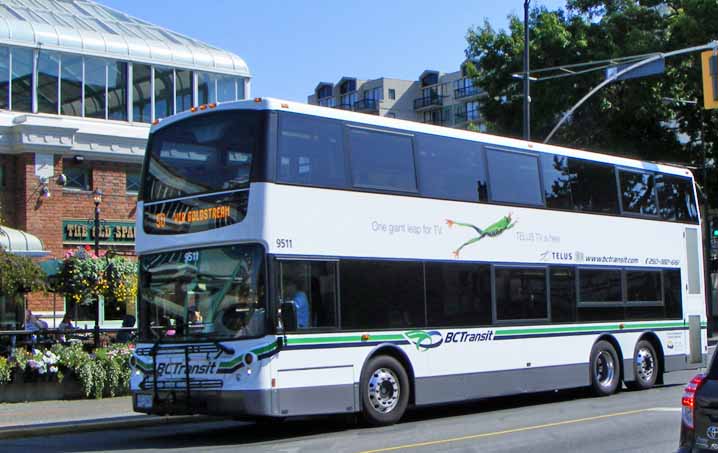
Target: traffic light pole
pixel 706 230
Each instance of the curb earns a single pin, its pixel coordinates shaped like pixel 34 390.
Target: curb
pixel 78 426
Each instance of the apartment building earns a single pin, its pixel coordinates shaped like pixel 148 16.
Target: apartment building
pixel 444 99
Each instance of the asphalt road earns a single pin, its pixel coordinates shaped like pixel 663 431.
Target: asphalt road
pixel 645 421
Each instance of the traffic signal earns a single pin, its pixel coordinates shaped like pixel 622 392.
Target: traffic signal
pixel 709 63
pixel 714 228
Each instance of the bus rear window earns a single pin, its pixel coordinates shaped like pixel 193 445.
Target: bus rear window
pixel 203 154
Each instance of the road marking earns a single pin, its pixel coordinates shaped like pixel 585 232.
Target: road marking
pixel 518 430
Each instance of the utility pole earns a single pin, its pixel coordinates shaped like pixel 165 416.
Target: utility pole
pixel 527 89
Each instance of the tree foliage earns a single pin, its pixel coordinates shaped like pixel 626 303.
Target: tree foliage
pixel 628 118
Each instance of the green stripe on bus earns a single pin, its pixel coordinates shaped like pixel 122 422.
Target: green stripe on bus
pixel 566 329
pixel 344 339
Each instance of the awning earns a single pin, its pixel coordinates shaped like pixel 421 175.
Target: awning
pixel 20 243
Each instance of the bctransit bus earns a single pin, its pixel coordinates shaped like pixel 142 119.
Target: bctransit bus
pixel 299 260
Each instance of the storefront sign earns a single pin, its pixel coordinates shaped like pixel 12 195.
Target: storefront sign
pixel 111 232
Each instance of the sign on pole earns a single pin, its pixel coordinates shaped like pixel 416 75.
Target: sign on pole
pixel 709 65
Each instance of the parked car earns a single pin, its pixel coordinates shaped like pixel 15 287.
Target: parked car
pixel 699 412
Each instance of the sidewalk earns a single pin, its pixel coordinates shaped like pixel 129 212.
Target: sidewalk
pixel 59 417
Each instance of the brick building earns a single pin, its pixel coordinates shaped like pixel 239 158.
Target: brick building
pixel 79 85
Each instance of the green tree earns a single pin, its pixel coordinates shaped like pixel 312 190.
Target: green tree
pixel 627 118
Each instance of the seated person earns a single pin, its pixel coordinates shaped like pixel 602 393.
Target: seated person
pixel 33 322
pixel 125 336
pixel 66 323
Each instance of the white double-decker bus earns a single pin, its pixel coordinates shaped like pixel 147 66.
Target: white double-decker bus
pixel 303 260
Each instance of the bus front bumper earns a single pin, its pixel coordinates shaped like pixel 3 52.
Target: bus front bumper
pixel 227 403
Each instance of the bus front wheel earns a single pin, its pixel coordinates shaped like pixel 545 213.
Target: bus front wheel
pixel 384 390
pixel 605 369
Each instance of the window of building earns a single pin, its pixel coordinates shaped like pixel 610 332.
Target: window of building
pixel 556 181
pixel 310 151
pixel 382 160
pixel 381 294
pixel 472 111
pixel 430 79
pixel 563 294
pixel 240 89
pixel 117 90
pixel 22 79
pixel 206 88
pixel 48 77
pixel 451 169
pixel 514 177
pixel 600 286
pixel 311 286
pixel 392 93
pixel 141 93
pixel 458 294
pixel 593 186
pixel 676 199
pixel 132 181
pixel 226 88
pixel 164 92
pixel 95 78
pixel 324 91
pixel 638 195
pixel 78 175
pixel 520 293
pixel 71 85
pixel 183 86
pixel 4 78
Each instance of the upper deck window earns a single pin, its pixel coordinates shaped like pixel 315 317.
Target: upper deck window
pixel 676 199
pixel 514 177
pixel 593 186
pixel 638 195
pixel 382 160
pixel 203 154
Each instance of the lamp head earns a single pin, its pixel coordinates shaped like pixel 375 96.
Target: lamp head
pixel 97 197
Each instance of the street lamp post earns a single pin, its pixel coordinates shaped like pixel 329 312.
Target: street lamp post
pixel 527 94
pixel 97 198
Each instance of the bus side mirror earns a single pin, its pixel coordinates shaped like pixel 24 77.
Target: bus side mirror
pixel 288 316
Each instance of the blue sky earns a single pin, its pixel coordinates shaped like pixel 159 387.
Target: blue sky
pixel 292 45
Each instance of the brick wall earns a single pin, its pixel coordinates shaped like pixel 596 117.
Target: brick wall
pixel 43 216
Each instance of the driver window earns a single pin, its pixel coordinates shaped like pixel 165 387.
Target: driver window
pixel 311 287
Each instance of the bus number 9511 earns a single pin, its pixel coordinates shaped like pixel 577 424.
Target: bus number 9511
pixel 284 243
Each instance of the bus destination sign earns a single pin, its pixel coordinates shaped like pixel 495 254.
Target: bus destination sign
pixel 195 214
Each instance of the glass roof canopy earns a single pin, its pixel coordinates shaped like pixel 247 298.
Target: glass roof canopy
pixel 86 27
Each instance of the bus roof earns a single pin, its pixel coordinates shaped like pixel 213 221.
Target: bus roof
pixel 413 126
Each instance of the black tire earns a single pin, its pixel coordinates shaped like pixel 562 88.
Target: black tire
pixel 604 369
pixel 646 367
pixel 384 389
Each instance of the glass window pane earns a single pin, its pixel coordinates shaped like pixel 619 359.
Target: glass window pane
pixel 563 294
pixel 450 168
pixel 310 151
pixel 520 294
pixel 4 78
pixel 382 160
pixel 206 88
pixel 95 87
pixel 676 199
pixel 48 74
pixel 458 294
pixel 514 177
pixel 643 286
pixel 132 181
pixel 71 85
pixel 117 90
pixel 556 181
pixel 593 186
pixel 22 80
pixel 184 89
pixel 78 175
pixel 599 285
pixel 240 88
pixel 311 287
pixel 164 87
pixel 637 194
pixel 226 89
pixel 141 95
pixel 381 294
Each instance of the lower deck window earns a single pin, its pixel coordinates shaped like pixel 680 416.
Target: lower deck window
pixel 520 294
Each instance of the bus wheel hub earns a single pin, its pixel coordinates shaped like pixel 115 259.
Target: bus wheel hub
pixel 383 390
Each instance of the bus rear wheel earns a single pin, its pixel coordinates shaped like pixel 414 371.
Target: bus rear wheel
pixel 384 388
pixel 605 369
pixel 645 366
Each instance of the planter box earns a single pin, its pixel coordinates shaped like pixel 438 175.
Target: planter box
pixel 16 392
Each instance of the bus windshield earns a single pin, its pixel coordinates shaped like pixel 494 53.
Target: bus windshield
pixel 203 154
pixel 214 293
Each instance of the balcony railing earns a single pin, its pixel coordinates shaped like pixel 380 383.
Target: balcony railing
pixel 463 117
pixel 345 106
pixel 466 92
pixel 366 104
pixel 427 101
